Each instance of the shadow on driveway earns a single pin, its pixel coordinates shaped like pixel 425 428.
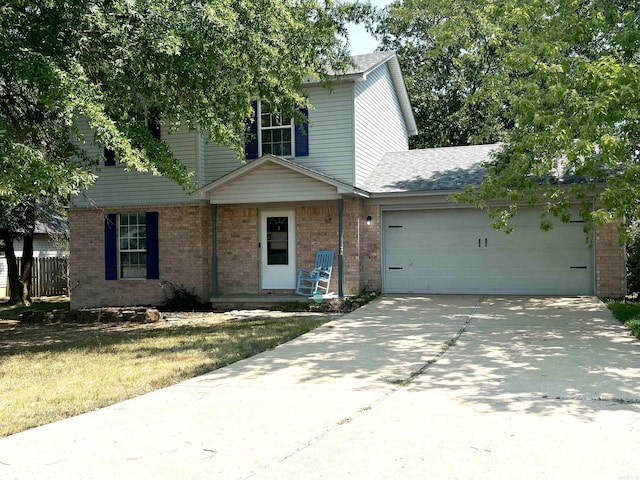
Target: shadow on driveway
pixel 539 355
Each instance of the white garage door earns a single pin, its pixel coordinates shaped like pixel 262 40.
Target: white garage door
pixel 456 251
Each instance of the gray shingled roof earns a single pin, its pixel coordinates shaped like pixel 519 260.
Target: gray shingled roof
pixel 364 63
pixel 432 169
pixel 361 64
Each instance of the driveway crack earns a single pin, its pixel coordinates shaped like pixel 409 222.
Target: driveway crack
pixel 447 346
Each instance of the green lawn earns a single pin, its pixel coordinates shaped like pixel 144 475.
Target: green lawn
pixel 46 305
pixel 50 372
pixel 628 313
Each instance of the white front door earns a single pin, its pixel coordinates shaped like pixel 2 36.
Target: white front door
pixel 278 249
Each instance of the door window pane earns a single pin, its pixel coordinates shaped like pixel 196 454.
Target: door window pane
pixel 277 240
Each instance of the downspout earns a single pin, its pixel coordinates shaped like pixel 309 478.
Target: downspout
pixel 214 254
pixel 340 249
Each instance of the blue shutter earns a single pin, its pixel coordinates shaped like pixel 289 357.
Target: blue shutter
pixel 111 247
pixel 109 157
pixel 251 148
pixel 302 136
pixel 153 123
pixel 153 252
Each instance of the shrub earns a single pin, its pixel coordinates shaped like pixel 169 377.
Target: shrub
pixel 179 297
pixel 633 259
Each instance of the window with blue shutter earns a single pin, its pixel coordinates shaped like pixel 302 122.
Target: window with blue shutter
pixel 153 123
pixel 131 245
pixel 153 126
pixel 153 244
pixel 251 149
pixel 273 133
pixel 109 157
pixel 302 136
pixel 111 247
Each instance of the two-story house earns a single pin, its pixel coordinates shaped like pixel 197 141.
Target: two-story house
pixel 346 183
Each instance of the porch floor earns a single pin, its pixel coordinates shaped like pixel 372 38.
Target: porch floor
pixel 261 300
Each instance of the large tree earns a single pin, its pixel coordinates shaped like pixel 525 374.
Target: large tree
pixel 565 75
pixel 113 62
pixel 448 50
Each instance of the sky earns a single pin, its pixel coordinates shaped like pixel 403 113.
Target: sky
pixel 360 41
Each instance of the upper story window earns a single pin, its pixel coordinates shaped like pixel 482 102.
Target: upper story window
pixel 271 132
pixel 276 132
pixel 152 122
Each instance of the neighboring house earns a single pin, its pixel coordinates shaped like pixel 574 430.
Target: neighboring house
pixel 350 185
pixel 44 246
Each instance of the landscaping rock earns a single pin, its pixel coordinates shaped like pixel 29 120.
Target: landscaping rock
pixel 152 315
pixel 27 316
pixel 94 315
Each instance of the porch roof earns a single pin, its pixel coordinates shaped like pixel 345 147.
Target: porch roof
pixel 254 180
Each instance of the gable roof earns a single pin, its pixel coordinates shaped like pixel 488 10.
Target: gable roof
pixel 431 169
pixel 363 65
pixel 247 168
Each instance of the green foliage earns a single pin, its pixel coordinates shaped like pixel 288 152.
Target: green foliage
pixel 178 297
pixel 628 313
pixel 558 82
pixel 292 306
pixel 11 312
pixel 346 304
pixel 633 259
pixel 198 64
pixel 115 62
pixel 449 51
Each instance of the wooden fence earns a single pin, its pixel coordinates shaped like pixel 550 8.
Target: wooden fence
pixel 49 276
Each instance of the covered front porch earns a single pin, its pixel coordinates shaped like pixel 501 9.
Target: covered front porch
pixel 269 218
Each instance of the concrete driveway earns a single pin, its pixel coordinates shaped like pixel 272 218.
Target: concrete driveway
pixel 449 387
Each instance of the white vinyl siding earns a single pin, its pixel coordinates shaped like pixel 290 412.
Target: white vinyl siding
pixel 42 247
pixel 116 187
pixel 379 124
pixel 330 137
pixel 199 141
pixel 273 183
pixel 331 132
pixel 218 161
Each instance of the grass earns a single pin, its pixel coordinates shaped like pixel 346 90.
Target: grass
pixel 628 313
pixel 50 372
pixel 46 305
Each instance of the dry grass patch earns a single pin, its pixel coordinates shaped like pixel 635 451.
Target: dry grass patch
pixel 50 372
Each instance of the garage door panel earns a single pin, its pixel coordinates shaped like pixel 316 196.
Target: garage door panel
pixel 456 251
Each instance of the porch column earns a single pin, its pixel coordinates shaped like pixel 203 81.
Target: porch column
pixel 214 252
pixel 340 249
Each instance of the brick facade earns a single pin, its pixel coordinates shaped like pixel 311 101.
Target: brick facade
pixel 316 229
pixel 610 260
pixel 237 250
pixel 371 250
pixel 184 251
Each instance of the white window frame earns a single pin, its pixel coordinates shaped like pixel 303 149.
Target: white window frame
pixel 122 251
pixel 273 128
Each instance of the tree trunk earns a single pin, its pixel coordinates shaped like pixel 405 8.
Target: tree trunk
pixel 15 286
pixel 26 268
